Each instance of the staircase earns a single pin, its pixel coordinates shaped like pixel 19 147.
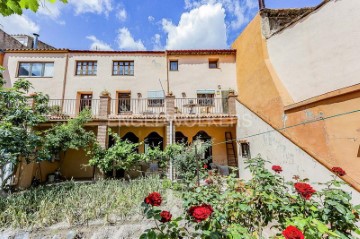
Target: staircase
pixel 230 150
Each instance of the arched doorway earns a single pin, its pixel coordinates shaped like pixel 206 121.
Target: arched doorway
pixel 204 137
pixel 180 138
pixel 131 137
pixel 153 140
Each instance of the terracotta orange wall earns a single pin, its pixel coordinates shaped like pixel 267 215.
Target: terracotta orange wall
pixel 333 142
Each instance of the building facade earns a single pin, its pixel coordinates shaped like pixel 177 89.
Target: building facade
pixel 302 65
pixel 155 97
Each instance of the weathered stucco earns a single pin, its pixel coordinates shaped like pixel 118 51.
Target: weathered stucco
pixel 319 53
pixel 332 142
pixel 276 148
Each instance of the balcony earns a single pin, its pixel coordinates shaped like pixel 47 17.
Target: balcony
pixel 143 108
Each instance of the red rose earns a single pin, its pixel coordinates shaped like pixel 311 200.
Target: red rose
pixel 165 216
pixel 277 168
pixel 305 190
pixel 205 166
pixel 292 232
pixel 338 171
pixel 200 213
pixel 153 199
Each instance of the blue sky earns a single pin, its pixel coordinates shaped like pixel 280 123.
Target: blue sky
pixel 142 24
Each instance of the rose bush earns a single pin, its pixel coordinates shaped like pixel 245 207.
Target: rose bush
pixel 226 207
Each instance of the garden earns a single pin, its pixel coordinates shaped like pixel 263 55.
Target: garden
pixel 200 203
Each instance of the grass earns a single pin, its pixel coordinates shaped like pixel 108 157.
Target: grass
pixel 75 203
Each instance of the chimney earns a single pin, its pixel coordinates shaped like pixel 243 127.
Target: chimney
pixel 261 4
pixel 36 39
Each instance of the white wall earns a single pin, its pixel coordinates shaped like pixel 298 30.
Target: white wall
pixel 274 147
pixel 194 74
pixel 52 86
pixel 320 53
pixel 148 69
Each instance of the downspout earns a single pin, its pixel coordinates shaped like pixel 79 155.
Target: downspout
pixel 167 73
pixel 65 79
pixel 171 142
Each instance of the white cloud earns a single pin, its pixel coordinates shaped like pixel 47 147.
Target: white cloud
pixel 98 44
pixel 92 6
pixel 239 11
pixel 201 28
pixel 126 41
pixel 156 40
pixel 121 14
pixel 16 24
pixel 52 10
pixel 151 18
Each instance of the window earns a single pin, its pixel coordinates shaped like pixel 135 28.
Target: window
pixel 173 65
pixel 156 98
pixel 245 150
pixel 206 99
pixel 213 64
pixel 124 102
pixel 85 101
pixel 36 69
pixel 123 68
pixel 86 68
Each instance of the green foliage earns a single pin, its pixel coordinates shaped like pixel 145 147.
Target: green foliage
pixel 122 155
pixel 17 120
pixel 75 203
pixel 20 136
pixel 70 135
pixel 155 154
pixel 184 159
pixel 244 209
pixel 8 7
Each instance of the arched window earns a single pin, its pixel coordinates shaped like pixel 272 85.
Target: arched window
pixel 204 137
pixel 153 140
pixel 180 138
pixel 131 137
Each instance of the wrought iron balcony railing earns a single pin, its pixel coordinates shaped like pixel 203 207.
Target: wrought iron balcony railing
pixel 125 107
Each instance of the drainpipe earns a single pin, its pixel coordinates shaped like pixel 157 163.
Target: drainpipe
pixel 167 73
pixel 171 142
pixel 64 81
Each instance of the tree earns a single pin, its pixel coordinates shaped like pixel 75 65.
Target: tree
pixel 20 135
pixel 18 140
pixel 122 155
pixel 65 136
pixel 8 7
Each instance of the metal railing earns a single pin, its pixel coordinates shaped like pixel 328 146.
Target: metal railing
pixel 69 108
pixel 201 106
pixel 129 106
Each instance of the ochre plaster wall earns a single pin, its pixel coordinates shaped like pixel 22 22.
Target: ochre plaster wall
pixel 332 142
